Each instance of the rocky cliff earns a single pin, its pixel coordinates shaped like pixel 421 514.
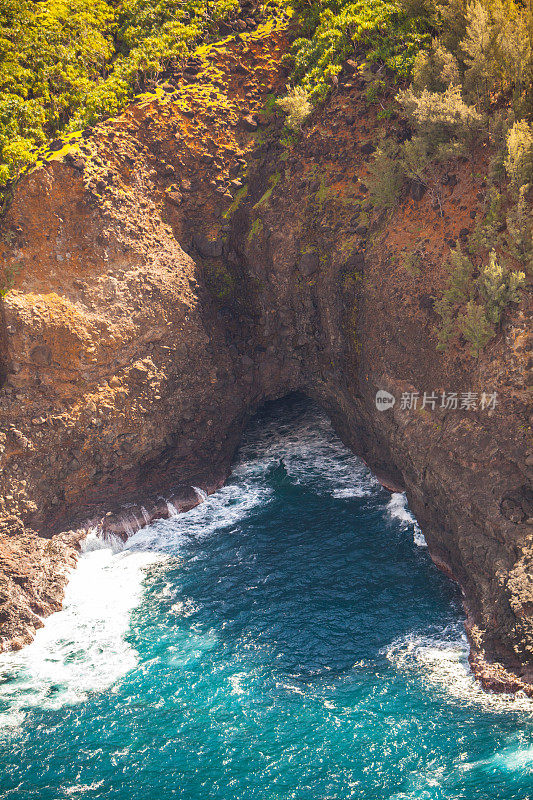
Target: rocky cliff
pixel 172 269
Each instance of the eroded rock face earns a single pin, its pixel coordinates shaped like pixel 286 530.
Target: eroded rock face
pixel 162 294
pixel 33 575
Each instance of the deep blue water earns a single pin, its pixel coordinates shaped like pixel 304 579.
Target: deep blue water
pixel 288 638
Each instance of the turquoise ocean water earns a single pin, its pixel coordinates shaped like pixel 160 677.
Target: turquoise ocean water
pixel 288 638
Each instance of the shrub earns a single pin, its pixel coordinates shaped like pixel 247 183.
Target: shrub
pixel 519 158
pixel 416 155
pixel 520 229
pixel 480 52
pixel 445 127
pixel 461 269
pixel 297 107
pixel 457 292
pixel 436 69
pixel 473 307
pixel 497 51
pixel 452 15
pixel 498 287
pixel 488 227
pixel 390 33
pixel 499 124
pixel 443 120
pixel 374 90
pixel 475 327
pixel 386 177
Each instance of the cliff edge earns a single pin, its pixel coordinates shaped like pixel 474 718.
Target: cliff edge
pixel 172 269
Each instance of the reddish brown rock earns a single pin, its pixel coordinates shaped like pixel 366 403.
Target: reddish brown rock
pixel 132 354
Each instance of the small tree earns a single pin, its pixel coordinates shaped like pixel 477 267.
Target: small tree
pixel 519 158
pixel 435 69
pixel 498 288
pixel 520 229
pixel 475 327
pixel 480 47
pixel 497 51
pixel 386 177
pixel 459 290
pixel 443 120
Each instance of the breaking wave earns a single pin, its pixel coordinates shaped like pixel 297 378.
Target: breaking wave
pixel 83 647
pixel 285 633
pixel 398 510
pixel 440 659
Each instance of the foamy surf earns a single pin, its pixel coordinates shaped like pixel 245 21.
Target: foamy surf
pixel 223 509
pixel 82 648
pixel 310 453
pixel 397 509
pixel 516 757
pixel 441 659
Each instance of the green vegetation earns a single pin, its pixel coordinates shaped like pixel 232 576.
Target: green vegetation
pixel 519 227
pixel 465 68
pixel 237 200
pixel 255 230
pixel 519 156
pixel 413 262
pixel 220 282
pixel 475 327
pixel 391 34
pixel 464 58
pixel 66 64
pixel 483 45
pixel 7 283
pixel 498 287
pixel 386 177
pixel 297 107
pixel 323 193
pixel 273 182
pixel 472 307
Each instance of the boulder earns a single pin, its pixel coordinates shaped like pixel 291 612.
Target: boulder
pixel 309 263
pixel 417 190
pixel 249 123
pixel 367 148
pixel 207 248
pixel 174 198
pixel 41 355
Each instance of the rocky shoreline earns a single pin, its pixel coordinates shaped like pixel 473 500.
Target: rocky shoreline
pixel 183 265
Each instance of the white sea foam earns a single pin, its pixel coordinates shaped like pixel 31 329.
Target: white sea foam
pixel 82 788
pixel 442 660
pixel 311 453
pixel 220 510
pixel 83 647
pixel 235 682
pixel 184 608
pixel 397 509
pixel 517 756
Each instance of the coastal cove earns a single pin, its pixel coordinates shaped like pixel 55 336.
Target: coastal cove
pixel 287 638
pixel 266 421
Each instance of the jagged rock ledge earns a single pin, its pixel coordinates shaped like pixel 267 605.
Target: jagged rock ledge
pixel 34 570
